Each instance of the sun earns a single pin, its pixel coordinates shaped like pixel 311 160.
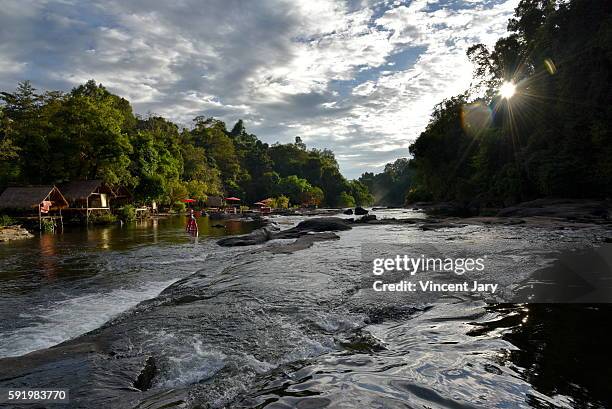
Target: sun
pixel 507 90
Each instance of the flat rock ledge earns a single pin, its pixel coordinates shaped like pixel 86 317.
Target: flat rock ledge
pixel 271 232
pixel 14 233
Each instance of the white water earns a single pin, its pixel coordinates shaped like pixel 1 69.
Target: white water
pixel 69 318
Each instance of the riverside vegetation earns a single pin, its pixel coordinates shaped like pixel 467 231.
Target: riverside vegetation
pixel 54 137
pixel 551 138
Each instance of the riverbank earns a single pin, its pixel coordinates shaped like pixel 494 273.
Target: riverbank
pixel 578 210
pixel 11 233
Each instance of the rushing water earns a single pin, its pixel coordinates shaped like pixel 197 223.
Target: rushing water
pixel 244 327
pixel 58 286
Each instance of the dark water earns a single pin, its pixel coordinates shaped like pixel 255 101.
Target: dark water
pixel 243 327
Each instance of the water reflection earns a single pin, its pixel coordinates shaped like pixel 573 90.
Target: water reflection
pixel 562 350
pixel 48 257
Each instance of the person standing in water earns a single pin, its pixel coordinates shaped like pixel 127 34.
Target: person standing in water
pixel 192 225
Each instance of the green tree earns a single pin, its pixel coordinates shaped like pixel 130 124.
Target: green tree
pixel 346 200
pixel 360 193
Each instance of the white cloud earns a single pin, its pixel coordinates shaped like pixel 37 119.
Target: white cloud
pixel 328 71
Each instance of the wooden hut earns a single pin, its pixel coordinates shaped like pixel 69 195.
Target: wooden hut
pixel 46 202
pixel 122 196
pixel 88 197
pixel 214 202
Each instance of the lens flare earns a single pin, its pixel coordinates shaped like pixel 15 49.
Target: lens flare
pixel 476 118
pixel 550 66
pixel 507 90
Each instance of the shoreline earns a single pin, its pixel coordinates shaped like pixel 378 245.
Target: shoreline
pixel 12 233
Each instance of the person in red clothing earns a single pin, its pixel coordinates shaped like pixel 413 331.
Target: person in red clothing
pixel 192 225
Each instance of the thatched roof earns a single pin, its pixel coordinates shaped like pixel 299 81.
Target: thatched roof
pixel 122 192
pixel 214 201
pixel 28 197
pixel 82 189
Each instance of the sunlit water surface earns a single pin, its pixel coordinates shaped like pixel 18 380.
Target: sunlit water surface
pixel 243 327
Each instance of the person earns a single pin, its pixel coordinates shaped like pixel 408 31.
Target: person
pixel 192 225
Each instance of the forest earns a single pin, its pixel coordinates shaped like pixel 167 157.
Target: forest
pixel 549 136
pixel 53 137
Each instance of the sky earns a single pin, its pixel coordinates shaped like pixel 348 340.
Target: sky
pixel 360 77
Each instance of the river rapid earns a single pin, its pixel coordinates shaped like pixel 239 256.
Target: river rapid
pixel 148 317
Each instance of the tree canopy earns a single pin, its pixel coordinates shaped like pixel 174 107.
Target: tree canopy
pixel 87 133
pixel 552 137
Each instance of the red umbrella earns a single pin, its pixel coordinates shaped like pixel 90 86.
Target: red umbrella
pixel 188 200
pixel 232 198
pixel 259 203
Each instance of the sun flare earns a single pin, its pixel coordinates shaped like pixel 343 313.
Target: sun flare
pixel 507 90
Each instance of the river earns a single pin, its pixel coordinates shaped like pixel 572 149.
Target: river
pixel 246 327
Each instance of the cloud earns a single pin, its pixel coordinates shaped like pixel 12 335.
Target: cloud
pixel 359 77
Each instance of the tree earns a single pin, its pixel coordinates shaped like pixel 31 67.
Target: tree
pixel 360 193
pixel 390 187
pixel 88 133
pixel 176 191
pixel 313 196
pixel 294 188
pixel 548 139
pixel 346 200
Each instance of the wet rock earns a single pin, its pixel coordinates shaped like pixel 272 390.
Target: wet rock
pixel 315 225
pixel 441 225
pixel 448 208
pixel 367 218
pixel 303 242
pixel 360 211
pixel 320 224
pixel 255 237
pixel 14 233
pixel 145 378
pixel 362 342
pixel 348 211
pixel 570 209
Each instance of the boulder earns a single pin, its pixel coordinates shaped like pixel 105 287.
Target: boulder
pixel 315 225
pixel 323 224
pixel 255 237
pixel 348 211
pixel 359 211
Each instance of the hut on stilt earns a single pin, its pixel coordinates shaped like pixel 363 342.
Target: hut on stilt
pixel 45 202
pixel 87 197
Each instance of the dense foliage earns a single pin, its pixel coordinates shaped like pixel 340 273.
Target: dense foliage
pixel 552 138
pixel 390 187
pixel 89 133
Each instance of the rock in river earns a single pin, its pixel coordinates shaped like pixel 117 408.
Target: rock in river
pixel 314 225
pixel 360 211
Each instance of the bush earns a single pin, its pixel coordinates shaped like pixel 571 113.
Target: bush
pixel 179 207
pixel 105 218
pixel 127 213
pixel 47 225
pixel 418 194
pixel 6 220
pixel 280 202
